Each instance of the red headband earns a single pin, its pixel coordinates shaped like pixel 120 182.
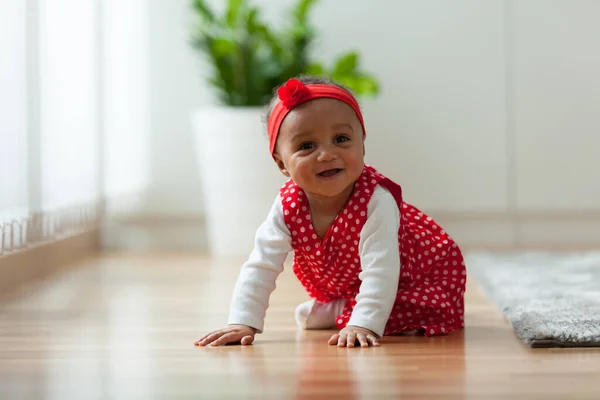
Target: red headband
pixel 294 93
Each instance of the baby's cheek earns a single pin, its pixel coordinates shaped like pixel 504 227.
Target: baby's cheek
pixel 356 162
pixel 306 176
pixel 300 173
pixel 304 168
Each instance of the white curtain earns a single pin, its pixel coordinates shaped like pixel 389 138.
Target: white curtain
pixel 73 112
pixel 69 103
pixel 13 112
pixel 14 188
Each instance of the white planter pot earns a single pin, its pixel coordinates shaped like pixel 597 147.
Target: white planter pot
pixel 239 178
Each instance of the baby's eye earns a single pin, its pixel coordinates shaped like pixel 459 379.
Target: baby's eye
pixel 306 146
pixel 341 139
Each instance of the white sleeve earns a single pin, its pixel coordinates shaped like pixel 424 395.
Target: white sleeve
pixel 258 274
pixel 380 263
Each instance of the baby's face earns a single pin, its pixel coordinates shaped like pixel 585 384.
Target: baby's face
pixel 321 147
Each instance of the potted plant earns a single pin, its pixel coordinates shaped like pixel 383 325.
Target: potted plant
pixel 248 60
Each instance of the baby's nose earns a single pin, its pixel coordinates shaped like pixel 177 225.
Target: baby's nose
pixel 326 155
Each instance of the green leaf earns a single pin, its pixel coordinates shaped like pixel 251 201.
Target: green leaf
pixel 367 86
pixel 302 9
pixel 233 12
pixel 203 10
pixel 316 69
pixel 346 64
pixel 252 24
pixel 223 47
pixel 361 85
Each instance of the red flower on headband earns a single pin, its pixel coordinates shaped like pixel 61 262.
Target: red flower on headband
pixel 292 93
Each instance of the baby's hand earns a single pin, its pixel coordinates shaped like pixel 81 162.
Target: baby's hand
pixel 232 334
pixel 350 334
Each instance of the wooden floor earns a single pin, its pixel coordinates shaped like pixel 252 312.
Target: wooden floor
pixel 122 327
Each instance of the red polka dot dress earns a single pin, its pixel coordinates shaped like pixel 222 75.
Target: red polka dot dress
pixel 432 280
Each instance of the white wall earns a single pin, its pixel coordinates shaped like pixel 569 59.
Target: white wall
pixel 175 91
pixel 557 104
pixel 556 133
pixel 478 98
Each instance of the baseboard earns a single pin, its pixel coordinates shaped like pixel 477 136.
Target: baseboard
pixel 569 234
pixel 534 230
pixel 478 231
pixel 30 265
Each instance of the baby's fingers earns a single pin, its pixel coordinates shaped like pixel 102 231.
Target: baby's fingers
pixel 208 338
pixel 334 339
pixel 362 339
pixel 351 339
pixel 373 340
pixel 226 338
pixel 247 340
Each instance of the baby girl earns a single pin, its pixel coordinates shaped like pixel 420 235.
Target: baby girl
pixel 372 264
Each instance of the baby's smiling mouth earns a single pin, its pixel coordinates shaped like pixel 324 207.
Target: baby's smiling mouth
pixel 329 173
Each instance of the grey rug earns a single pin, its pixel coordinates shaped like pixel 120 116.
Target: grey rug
pixel 551 300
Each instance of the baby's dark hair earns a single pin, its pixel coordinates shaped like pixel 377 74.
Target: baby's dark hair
pixel 306 79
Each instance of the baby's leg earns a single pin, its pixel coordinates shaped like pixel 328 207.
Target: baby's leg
pixel 317 315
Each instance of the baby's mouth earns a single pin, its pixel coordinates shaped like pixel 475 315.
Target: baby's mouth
pixel 330 172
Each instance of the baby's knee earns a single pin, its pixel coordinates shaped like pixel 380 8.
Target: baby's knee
pixel 302 312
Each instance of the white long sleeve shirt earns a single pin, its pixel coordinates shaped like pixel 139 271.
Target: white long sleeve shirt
pixel 380 266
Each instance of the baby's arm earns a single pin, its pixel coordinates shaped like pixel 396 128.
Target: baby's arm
pixel 380 263
pixel 257 278
pixel 256 281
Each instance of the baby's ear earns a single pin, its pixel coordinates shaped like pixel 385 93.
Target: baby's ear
pixel 281 165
